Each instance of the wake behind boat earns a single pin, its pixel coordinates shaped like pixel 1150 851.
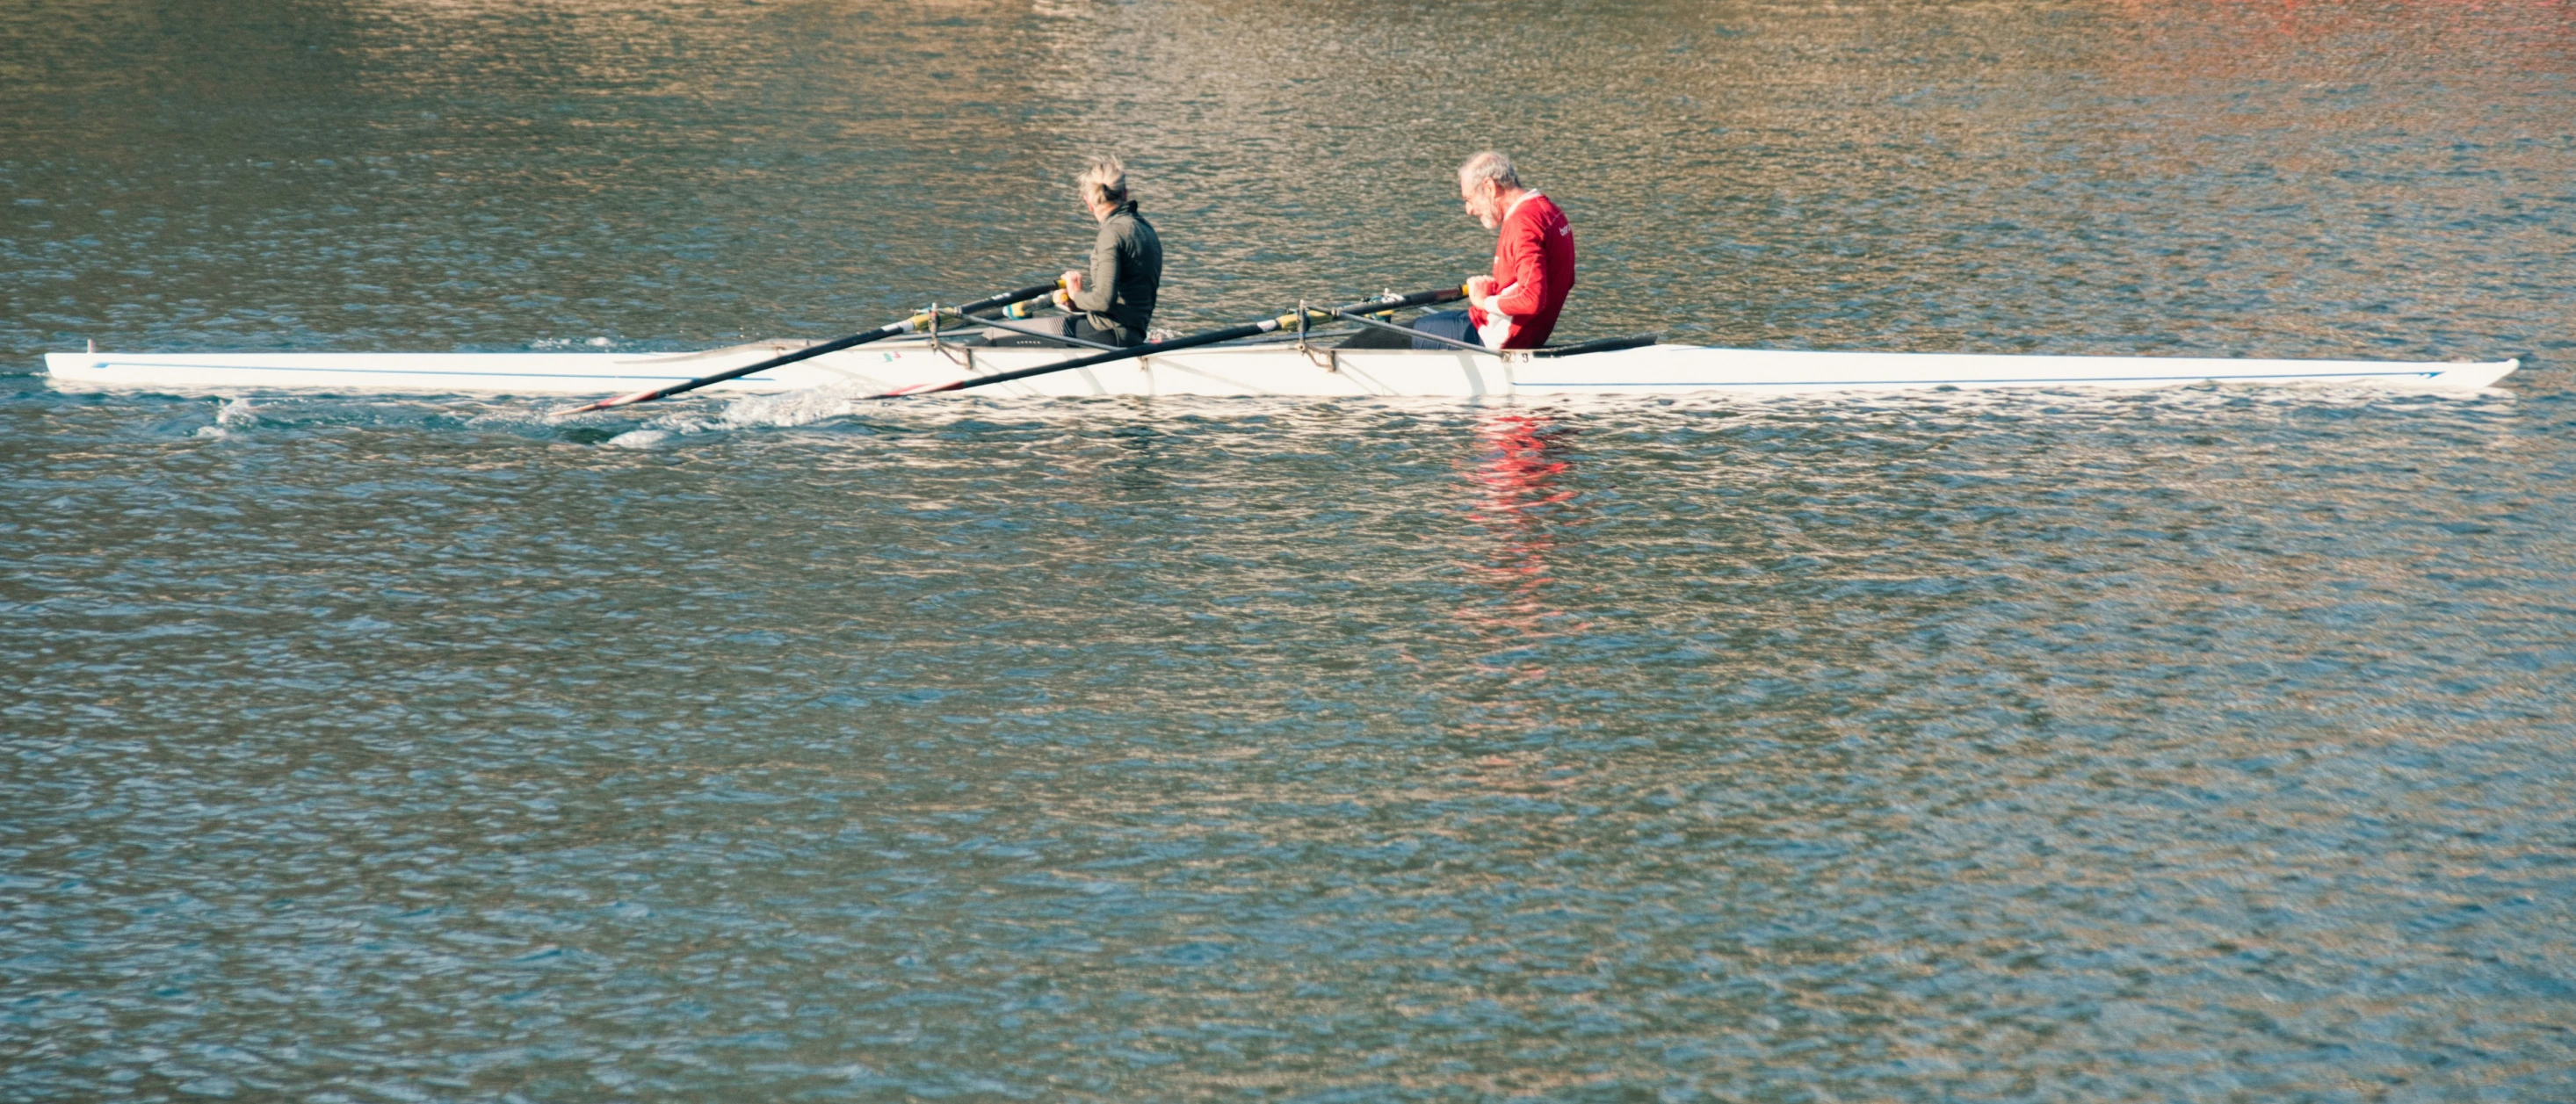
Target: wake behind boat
pixel 1287 367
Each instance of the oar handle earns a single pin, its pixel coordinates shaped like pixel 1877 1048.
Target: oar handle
pixel 1212 337
pixel 914 324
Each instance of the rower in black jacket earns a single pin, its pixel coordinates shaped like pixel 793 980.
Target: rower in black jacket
pixel 1114 300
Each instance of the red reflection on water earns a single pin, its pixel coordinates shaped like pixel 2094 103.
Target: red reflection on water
pixel 1521 463
pixel 1518 473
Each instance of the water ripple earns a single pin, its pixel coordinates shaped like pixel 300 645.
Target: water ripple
pixel 2199 744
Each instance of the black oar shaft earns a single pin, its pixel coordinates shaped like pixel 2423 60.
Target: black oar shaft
pixel 1212 337
pixel 914 324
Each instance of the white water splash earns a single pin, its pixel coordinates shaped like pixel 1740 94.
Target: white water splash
pixel 643 439
pixel 786 409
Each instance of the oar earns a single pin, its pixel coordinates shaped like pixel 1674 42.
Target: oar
pixel 1211 337
pixel 914 324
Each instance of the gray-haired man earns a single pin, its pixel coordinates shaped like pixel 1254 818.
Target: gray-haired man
pixel 1516 307
pixel 1115 297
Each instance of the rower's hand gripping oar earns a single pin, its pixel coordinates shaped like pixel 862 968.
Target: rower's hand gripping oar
pixel 1211 337
pixel 914 324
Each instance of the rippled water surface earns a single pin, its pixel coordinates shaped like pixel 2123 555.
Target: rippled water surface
pixel 2211 744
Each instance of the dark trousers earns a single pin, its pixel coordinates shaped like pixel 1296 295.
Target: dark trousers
pixel 1451 324
pixel 1089 327
pixel 1092 327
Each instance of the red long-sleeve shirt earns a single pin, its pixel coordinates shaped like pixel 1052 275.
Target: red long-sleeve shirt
pixel 1533 271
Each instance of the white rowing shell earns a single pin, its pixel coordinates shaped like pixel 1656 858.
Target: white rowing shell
pixel 1278 369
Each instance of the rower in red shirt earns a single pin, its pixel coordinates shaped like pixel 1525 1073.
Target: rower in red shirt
pixel 1516 307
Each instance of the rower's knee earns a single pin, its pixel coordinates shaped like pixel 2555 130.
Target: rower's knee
pixel 1451 324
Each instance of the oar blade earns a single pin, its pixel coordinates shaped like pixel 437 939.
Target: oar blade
pixel 605 404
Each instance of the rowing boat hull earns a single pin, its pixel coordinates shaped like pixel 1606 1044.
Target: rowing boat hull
pixel 1251 370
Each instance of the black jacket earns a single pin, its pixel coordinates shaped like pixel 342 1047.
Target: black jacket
pixel 1126 273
